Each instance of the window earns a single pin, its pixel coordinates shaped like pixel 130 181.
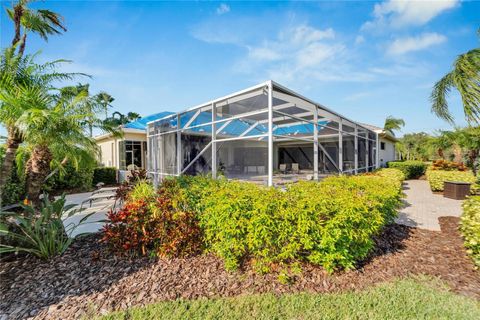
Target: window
pixel 130 154
pixel 382 145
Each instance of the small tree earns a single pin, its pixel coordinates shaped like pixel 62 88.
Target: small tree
pixel 469 140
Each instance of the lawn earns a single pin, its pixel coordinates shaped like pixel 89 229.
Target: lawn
pixel 414 298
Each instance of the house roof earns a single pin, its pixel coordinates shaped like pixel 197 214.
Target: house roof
pixel 141 123
pixel 381 132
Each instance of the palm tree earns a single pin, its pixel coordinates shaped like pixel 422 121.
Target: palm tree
pixel 465 77
pixel 392 124
pixel 53 130
pixel 105 100
pixel 21 81
pixel 42 22
pixel 441 142
pixel 469 140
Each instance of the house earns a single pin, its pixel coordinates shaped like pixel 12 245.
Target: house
pixel 386 145
pixel 267 134
pixel 129 150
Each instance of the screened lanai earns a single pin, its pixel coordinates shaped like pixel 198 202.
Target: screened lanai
pixel 266 134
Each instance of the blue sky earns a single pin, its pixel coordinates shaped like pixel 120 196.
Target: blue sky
pixel 366 60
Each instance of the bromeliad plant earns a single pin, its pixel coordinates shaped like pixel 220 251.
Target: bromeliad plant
pixel 39 232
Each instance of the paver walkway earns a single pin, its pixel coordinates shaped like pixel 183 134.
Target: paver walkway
pixel 422 208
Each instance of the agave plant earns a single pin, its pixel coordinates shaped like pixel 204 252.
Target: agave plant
pixel 40 232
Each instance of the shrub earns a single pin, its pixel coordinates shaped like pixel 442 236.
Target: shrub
pixel 391 173
pixel 151 223
pixel 70 179
pixel 448 166
pixel 134 177
pixel 436 178
pixel 470 227
pixel 107 175
pixel 329 223
pixel 41 233
pixel 411 169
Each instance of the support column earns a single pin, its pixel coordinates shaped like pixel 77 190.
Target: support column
pixel 179 147
pixel 270 134
pixel 366 151
pixel 340 146
pixel 377 155
pixel 214 142
pixel 315 144
pixel 356 149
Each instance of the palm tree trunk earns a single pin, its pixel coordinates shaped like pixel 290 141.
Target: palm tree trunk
pixel 37 169
pixel 17 16
pixel 13 141
pixel 22 45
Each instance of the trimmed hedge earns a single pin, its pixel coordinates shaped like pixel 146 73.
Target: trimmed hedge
pixel 411 169
pixel 470 227
pixel 71 179
pixel 391 173
pixel 436 178
pixel 330 223
pixel 107 175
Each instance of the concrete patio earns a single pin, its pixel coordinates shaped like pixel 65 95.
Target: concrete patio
pixel 422 208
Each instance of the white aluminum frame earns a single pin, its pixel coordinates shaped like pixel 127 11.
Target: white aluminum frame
pixel 273 91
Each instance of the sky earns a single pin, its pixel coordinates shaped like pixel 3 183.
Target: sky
pixel 365 60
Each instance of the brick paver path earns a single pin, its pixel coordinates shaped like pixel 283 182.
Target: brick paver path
pixel 422 208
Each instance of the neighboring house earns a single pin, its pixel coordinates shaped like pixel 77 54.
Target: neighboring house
pixel 386 145
pixel 129 150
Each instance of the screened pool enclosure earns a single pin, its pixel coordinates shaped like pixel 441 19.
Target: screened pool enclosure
pixel 266 134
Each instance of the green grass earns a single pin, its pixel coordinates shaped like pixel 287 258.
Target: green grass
pixel 419 298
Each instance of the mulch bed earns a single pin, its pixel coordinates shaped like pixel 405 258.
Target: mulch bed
pixel 87 280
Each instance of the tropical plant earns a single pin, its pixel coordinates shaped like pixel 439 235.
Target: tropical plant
pixel 42 22
pixel 437 178
pixel 118 119
pixel 24 84
pixel 415 146
pixel 443 141
pixel 105 100
pixel 39 232
pixel 465 78
pixel 392 124
pixel 469 140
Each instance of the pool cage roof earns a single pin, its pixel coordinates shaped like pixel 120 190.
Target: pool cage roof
pixel 256 132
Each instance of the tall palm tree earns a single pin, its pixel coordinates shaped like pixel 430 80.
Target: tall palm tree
pixel 42 22
pixel 105 100
pixel 392 124
pixel 21 81
pixel 465 77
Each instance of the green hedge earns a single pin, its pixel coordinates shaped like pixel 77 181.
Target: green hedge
pixel 70 179
pixel 411 169
pixel 436 178
pixel 330 223
pixel 391 173
pixel 107 175
pixel 470 227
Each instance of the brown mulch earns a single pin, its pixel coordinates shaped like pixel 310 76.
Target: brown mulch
pixel 87 279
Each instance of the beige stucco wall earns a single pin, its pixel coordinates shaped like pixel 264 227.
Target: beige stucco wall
pixel 109 147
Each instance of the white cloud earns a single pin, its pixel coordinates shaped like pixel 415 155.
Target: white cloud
pixel 359 39
pixel 408 44
pixel 398 14
pixel 223 8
